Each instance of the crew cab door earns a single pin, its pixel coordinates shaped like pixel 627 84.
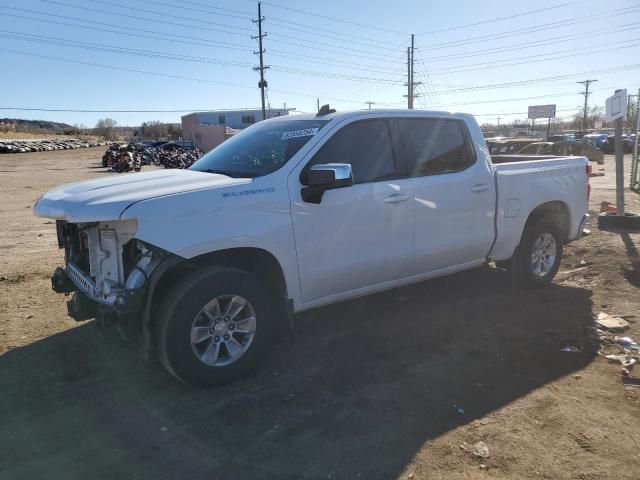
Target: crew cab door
pixel 360 235
pixel 454 193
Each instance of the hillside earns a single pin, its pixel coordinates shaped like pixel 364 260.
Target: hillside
pixel 35 126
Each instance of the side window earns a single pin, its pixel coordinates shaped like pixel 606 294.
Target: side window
pixel 365 145
pixel 434 146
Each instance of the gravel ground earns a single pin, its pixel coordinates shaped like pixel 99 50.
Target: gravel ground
pixel 388 386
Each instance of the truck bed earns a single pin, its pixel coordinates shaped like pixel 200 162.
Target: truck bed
pixel 525 182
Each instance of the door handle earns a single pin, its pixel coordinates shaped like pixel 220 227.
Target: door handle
pixel 481 187
pixel 396 198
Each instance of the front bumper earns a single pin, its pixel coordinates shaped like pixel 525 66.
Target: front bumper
pixel 86 302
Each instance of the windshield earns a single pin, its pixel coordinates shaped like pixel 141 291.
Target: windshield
pixel 259 149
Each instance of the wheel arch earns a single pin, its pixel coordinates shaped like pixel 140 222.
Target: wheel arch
pixel 258 262
pixel 556 211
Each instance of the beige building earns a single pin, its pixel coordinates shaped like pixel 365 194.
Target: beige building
pixel 209 129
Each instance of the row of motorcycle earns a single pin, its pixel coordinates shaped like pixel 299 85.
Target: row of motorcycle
pixel 132 157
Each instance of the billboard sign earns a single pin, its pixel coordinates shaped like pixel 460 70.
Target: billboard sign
pixel 542 111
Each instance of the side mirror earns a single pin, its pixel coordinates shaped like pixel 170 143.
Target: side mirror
pixel 326 176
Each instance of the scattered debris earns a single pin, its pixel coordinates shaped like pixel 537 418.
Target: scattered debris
pixel 626 342
pixel 478 449
pixel 481 422
pixel 577 377
pixel 458 409
pixel 570 349
pixel 616 358
pixel 615 324
pixel 631 382
pixel 3 278
pixel 289 397
pixel 164 429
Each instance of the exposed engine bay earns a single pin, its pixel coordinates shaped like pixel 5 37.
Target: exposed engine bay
pixel 104 265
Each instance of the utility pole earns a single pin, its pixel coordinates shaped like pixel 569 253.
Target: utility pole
pixel 318 104
pixel 635 168
pixel 411 95
pixel 411 75
pixel 370 103
pixel 586 94
pixel 409 102
pixel 263 83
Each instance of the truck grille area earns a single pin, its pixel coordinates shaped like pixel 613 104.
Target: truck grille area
pixel 81 281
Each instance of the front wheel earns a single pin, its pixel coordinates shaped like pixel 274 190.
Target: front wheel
pixel 539 253
pixel 214 326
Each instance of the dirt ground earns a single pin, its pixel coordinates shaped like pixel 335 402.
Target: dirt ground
pixel 387 386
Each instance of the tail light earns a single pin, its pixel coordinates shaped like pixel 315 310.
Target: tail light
pixel 589 170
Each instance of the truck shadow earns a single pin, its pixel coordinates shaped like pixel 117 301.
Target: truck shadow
pixel 356 390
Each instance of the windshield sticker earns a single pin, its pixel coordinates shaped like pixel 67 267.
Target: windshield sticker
pixel 307 132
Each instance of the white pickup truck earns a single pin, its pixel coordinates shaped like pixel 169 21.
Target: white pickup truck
pixel 298 212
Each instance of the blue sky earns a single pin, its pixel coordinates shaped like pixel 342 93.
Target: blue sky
pixel 198 54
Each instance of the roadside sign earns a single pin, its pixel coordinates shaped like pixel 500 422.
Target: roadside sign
pixel 542 111
pixel 616 105
pixel 597 124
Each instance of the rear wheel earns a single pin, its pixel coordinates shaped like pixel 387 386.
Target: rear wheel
pixel 214 326
pixel 538 256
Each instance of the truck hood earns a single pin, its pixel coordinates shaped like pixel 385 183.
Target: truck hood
pixel 106 198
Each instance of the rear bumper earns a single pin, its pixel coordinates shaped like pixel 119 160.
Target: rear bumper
pixel 582 229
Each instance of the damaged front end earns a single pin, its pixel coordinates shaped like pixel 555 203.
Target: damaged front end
pixel 106 268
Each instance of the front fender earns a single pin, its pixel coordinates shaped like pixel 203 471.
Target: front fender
pixel 196 223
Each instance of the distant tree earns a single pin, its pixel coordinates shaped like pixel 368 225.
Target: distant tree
pixel 174 132
pixel 153 129
pixel 106 128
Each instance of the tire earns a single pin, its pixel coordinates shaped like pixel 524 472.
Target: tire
pixel 183 310
pixel 630 222
pixel 539 273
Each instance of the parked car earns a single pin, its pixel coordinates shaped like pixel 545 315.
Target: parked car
pixel 563 137
pixel 608 146
pixel 535 148
pixel 596 139
pixel 578 148
pixel 295 213
pixel 508 146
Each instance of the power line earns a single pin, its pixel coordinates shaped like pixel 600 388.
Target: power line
pixel 497 19
pixel 533 44
pixel 189 40
pixel 242 15
pixel 190 19
pixel 546 57
pixel 309 29
pixel 539 80
pixel 168 75
pixel 146 19
pixel 340 48
pixel 333 19
pixel 531 29
pixel 233 46
pixel 185 58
